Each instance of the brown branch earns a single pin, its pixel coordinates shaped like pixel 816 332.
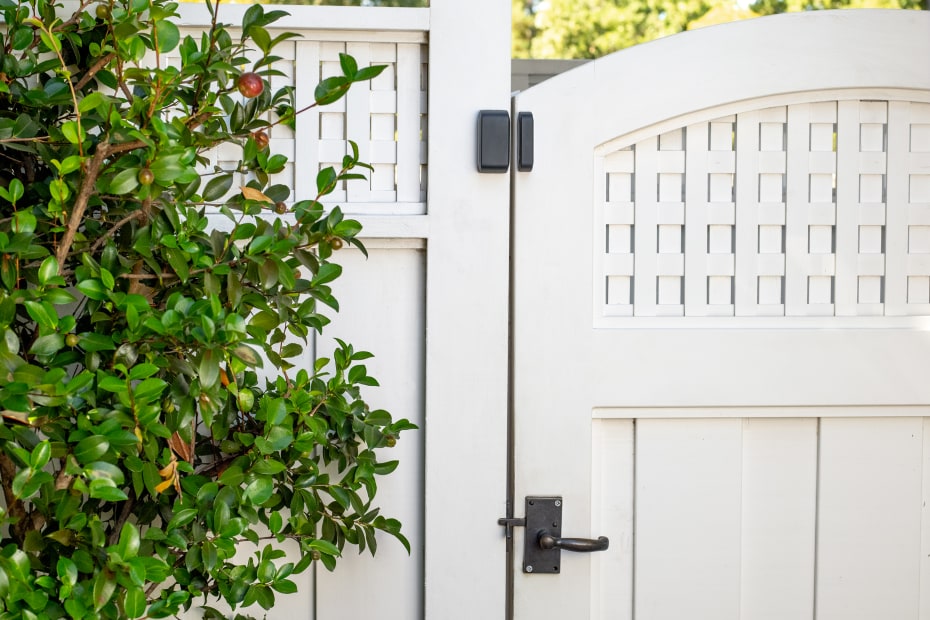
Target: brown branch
pixel 35 139
pixel 148 276
pixel 84 194
pixel 135 215
pixel 14 507
pixel 75 17
pixel 63 479
pixel 92 71
pixel 124 515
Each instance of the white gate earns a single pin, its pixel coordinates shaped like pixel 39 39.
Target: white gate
pixel 721 301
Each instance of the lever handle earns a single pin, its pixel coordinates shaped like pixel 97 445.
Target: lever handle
pixel 585 545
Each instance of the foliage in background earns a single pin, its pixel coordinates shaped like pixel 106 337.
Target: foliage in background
pixel 140 445
pixel 402 3
pixel 594 28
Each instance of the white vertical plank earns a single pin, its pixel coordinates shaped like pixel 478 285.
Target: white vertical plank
pixel 358 119
pixel 381 311
pixel 779 519
pixel 466 387
pixel 747 229
pixel 896 231
pixel 796 210
pixel 646 241
pixel 868 533
pixel 306 140
pixel 924 612
pixel 688 512
pixel 696 212
pixel 612 483
pixel 847 208
pixel 408 123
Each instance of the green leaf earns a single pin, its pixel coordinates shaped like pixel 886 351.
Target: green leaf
pixel 91 449
pixel 368 73
pixel 92 342
pixel 67 571
pixel 135 602
pixel 24 222
pixel 149 390
pixel 125 181
pixel 259 491
pixel 340 495
pixel 178 262
pixel 385 468
pixel 324 546
pixel 325 180
pixel 349 66
pixel 104 586
pixel 22 38
pixel 217 187
pixel 47 345
pixel 331 89
pixel 168 35
pixel 48 270
pixel 265 597
pixel 73 163
pixel 167 168
pixel 87 104
pixel 129 541
pixel 15 190
pixel 43 314
pixel 181 518
pixel 73 132
pixel 50 41
pixel 104 489
pixel 209 368
pixel 327 273
pixel 279 438
pixel 142 371
pixel 106 278
pixel 59 297
pixel 275 522
pixel 40 455
pixel 93 289
pixel 247 355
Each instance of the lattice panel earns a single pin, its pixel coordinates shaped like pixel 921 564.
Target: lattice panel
pixel 386 117
pixel 806 210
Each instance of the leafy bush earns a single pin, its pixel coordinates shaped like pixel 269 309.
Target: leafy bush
pixel 152 320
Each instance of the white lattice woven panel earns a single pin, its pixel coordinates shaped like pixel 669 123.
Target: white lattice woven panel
pixel 386 118
pixel 807 210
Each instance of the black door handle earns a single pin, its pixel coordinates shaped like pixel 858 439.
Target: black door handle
pixel 585 545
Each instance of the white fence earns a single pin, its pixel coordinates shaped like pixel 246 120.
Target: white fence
pixel 419 276
pixel 750 203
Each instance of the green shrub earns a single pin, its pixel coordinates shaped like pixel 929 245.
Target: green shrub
pixel 154 414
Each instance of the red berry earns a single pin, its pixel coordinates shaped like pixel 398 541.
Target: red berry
pixel 250 85
pixel 261 140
